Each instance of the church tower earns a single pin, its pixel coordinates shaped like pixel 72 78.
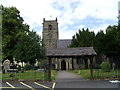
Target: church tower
pixel 50 33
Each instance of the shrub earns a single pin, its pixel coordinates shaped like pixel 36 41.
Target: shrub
pixel 105 66
pixel 27 67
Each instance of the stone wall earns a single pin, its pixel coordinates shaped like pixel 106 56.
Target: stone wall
pixel 50 33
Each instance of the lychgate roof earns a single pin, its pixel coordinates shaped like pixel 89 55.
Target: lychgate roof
pixel 82 51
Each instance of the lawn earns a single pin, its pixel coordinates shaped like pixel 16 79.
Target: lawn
pixel 53 75
pixel 29 75
pixel 97 74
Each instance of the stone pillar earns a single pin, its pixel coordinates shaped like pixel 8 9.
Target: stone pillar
pixel 55 66
pixel 68 60
pixel 66 64
pixel 56 63
pixel 70 63
pixel 75 63
pixel 60 64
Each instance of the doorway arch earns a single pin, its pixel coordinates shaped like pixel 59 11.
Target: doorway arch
pixel 63 65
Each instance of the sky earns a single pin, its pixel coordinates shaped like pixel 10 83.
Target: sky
pixel 72 15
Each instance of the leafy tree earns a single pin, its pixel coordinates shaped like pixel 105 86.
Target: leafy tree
pixel 112 48
pixel 12 24
pixel 111 42
pixel 84 38
pixel 28 48
pixel 107 43
pixel 100 42
pixel 0 33
pixel 18 41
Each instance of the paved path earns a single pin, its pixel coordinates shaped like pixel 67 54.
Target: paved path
pixel 68 76
pixel 66 79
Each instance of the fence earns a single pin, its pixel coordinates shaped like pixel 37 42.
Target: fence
pixel 99 74
pixel 39 74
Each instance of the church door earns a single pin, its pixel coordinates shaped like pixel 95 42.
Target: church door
pixel 63 65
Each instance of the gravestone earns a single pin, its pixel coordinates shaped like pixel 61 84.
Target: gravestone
pixel 113 66
pixel 6 65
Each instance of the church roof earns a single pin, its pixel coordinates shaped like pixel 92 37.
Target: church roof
pixel 82 51
pixel 63 43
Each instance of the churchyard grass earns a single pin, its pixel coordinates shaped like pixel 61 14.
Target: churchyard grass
pixel 98 74
pixel 53 75
pixel 0 75
pixel 29 75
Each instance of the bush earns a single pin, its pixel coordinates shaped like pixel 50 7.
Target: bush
pixel 27 67
pixel 105 66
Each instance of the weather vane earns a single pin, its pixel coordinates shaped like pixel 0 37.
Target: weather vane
pixel 50 16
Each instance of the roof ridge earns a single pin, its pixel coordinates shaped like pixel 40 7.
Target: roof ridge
pixel 64 39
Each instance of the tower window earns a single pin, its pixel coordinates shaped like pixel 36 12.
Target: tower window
pixel 50 27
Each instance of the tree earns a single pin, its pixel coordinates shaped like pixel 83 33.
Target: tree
pixel 112 47
pixel 83 38
pixel 12 24
pixel 100 42
pixel 28 48
pixel 107 43
pixel 0 33
pixel 18 41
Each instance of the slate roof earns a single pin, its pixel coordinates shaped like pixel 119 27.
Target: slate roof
pixel 63 43
pixel 82 51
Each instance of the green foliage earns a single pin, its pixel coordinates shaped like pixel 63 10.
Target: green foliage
pixel 27 67
pixel 0 33
pixel 28 47
pixel 104 43
pixel 111 46
pixel 84 38
pixel 18 41
pixel 107 43
pixel 100 43
pixel 12 25
pixel 105 66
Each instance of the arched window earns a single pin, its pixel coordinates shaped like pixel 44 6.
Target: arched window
pixel 50 27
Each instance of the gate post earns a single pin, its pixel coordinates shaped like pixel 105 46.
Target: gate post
pixel 91 66
pixel 49 69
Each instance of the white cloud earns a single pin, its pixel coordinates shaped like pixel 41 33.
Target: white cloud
pixel 103 9
pixel 101 27
pixel 64 33
pixel 33 12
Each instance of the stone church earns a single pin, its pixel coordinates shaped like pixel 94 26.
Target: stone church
pixel 63 58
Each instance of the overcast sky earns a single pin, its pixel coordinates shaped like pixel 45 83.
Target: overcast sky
pixel 72 14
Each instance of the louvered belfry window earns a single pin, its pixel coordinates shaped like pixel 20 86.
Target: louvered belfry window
pixel 50 27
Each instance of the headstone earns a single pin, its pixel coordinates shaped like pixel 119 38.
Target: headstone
pixel 40 70
pixel 6 65
pixel 113 66
pixel 88 63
